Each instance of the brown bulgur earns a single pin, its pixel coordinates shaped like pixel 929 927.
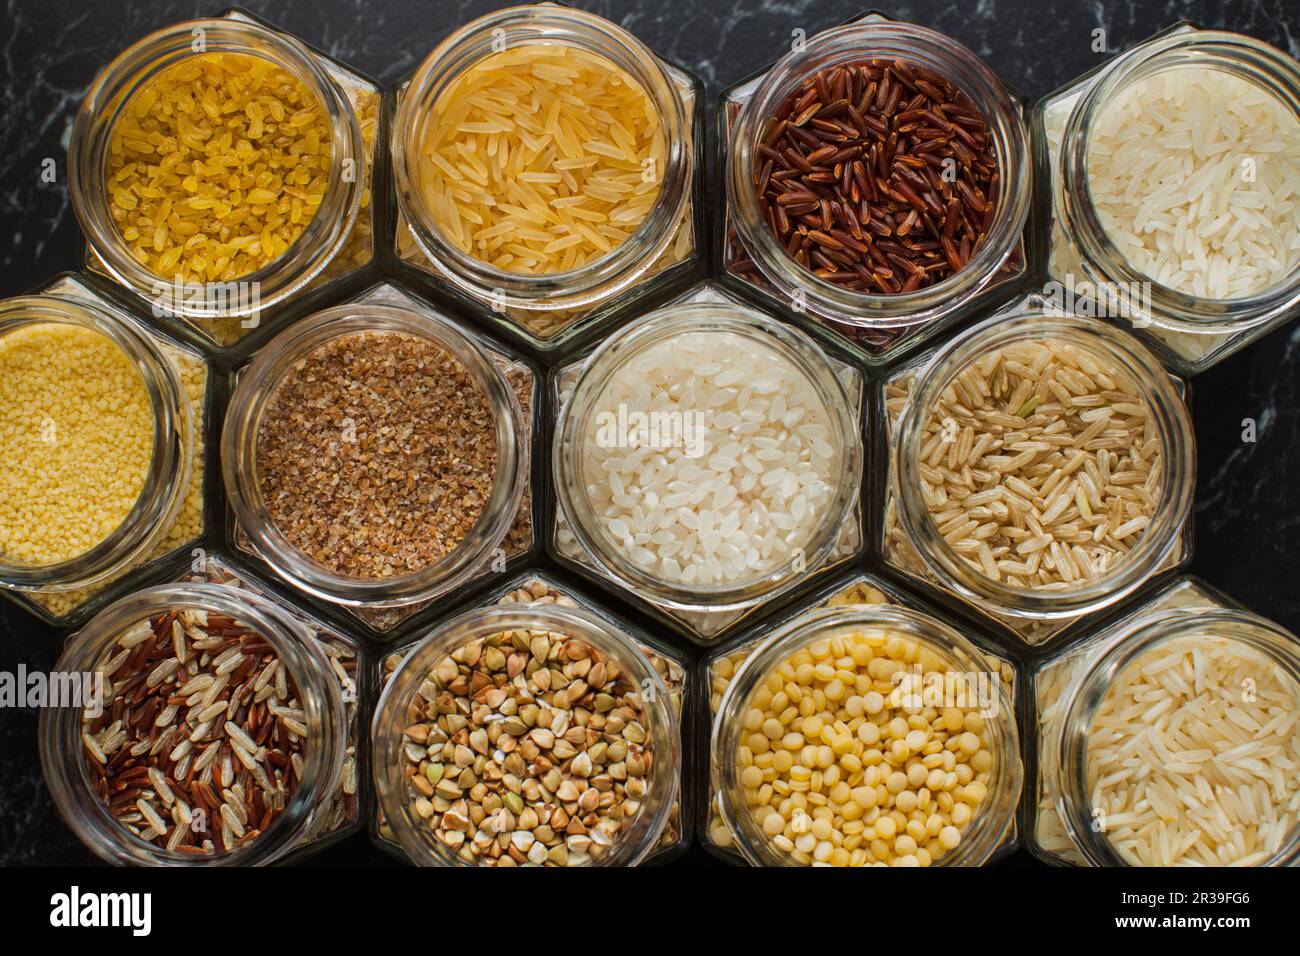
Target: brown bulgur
pixel 377 454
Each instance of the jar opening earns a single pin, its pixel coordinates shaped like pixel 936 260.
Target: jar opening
pixel 208 639
pixel 924 49
pixel 1212 57
pixel 369 570
pixel 543 644
pixel 639 399
pixel 912 657
pixel 155 401
pixel 97 151
pixel 1077 494
pixel 1165 663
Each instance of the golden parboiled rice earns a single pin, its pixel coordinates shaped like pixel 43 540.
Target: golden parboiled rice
pixel 542 158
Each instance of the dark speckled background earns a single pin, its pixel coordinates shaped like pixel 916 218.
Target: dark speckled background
pixel 1247 507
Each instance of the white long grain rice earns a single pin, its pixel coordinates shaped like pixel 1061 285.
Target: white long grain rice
pixel 1193 756
pixel 1195 175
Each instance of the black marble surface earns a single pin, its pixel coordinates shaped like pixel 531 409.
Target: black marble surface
pixel 1247 505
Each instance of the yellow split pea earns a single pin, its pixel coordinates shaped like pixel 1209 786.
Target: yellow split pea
pixel 542 158
pixel 836 774
pixel 216 166
pixel 76 441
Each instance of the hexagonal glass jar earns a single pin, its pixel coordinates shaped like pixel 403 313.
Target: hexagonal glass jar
pixel 877 325
pixel 546 311
pixel 673 672
pixel 233 314
pixel 500 540
pixel 704 613
pixel 1063 825
pixel 855 593
pixel 1189 332
pixel 170 512
pixel 911 542
pixel 271 788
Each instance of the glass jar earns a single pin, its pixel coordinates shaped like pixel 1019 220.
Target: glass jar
pixel 720 666
pixel 481 547
pixel 547 310
pixel 856 606
pixel 911 541
pixel 1189 332
pixel 582 538
pixel 672 664
pixel 64 754
pixel 339 237
pixel 170 509
pixel 877 325
pixel 403 704
pixel 1066 827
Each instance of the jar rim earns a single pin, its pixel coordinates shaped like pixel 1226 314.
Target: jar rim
pixel 1001 112
pixel 595 375
pixel 163 491
pixel 62 756
pixel 1087 691
pixel 115 87
pixel 1174 428
pixel 258 384
pixel 991 822
pixel 631 846
pixel 552 25
pixel 1265 66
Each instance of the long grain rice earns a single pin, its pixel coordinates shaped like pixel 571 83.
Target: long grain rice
pixel 1041 465
pixel 1195 175
pixel 542 158
pixel 1192 756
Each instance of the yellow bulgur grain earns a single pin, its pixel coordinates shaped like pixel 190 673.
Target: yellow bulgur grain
pixel 76 441
pixel 216 167
pixel 542 158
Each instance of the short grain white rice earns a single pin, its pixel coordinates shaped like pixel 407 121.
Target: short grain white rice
pixel 749 496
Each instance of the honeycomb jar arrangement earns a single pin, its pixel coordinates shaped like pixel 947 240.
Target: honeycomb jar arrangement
pixel 445 557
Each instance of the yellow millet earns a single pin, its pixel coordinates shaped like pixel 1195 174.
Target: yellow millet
pixel 188 524
pixel 835 774
pixel 76 441
pixel 216 166
pixel 542 158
